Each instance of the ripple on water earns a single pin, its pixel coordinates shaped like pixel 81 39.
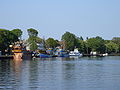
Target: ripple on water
pixel 61 74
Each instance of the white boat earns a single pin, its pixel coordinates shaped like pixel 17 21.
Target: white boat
pixel 75 53
pixel 106 54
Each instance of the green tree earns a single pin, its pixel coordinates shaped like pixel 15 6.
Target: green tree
pixel 33 46
pixel 17 32
pixel 33 39
pixel 38 40
pixel 96 44
pixel 32 32
pixel 70 41
pixel 112 47
pixel 51 43
pixel 81 38
pixel 117 41
pixel 6 38
pixel 82 46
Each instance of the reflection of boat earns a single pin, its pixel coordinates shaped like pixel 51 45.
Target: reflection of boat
pixel 75 53
pixel 74 57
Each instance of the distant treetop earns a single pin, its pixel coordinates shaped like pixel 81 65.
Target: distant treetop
pixel 32 32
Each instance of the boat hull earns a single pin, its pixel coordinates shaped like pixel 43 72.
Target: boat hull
pixel 44 56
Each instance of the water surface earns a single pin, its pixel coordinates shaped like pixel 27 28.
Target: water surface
pixel 83 73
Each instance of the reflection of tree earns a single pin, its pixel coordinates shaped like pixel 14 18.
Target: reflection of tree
pixel 33 75
pixel 4 66
pixel 5 74
pixel 69 70
pixel 69 75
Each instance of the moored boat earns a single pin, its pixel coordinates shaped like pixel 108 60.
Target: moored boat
pixel 75 53
pixel 20 52
pixel 61 53
pixel 43 54
pixel 17 52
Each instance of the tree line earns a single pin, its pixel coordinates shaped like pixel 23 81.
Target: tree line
pixel 97 44
pixel 68 41
pixel 8 37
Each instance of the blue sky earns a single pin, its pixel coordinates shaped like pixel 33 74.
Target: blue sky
pixel 52 18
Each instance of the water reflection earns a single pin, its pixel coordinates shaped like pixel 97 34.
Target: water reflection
pixel 16 72
pixel 67 59
pixel 3 69
pixel 33 75
pixel 75 57
pixel 94 58
pixel 61 74
pixel 68 76
pixel 17 67
pixel 7 80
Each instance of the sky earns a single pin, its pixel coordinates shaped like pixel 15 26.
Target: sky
pixel 52 18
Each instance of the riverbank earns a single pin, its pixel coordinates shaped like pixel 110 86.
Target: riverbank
pixel 84 55
pixel 114 54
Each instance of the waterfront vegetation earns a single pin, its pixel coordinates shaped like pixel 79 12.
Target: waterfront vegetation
pixel 68 42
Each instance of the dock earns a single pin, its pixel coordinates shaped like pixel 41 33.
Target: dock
pixel 89 55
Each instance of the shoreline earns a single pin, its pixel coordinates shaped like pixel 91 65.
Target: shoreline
pixel 85 55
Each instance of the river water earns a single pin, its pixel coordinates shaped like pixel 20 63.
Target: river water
pixel 85 73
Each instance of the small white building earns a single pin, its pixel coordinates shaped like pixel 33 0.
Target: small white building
pixel 93 53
